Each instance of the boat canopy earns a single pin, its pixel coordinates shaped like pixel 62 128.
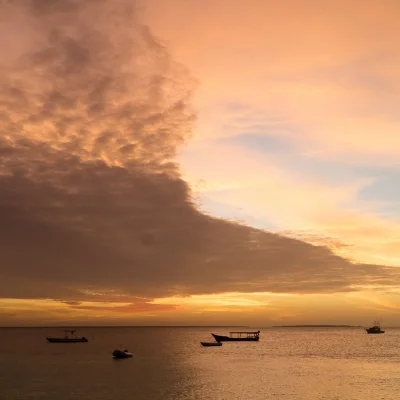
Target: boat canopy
pixel 245 334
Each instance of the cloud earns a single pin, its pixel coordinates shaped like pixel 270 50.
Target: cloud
pixel 132 308
pixel 334 83
pixel 93 206
pixel 6 314
pixel 270 184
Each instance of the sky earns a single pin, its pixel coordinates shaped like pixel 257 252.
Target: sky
pixel 180 162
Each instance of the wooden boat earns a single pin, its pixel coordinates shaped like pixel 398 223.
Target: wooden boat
pixel 376 328
pixel 238 337
pixel 121 354
pixel 67 339
pixel 207 344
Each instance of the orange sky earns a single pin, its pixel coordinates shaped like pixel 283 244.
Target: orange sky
pixel 213 162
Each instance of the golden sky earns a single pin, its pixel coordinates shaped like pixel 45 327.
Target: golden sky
pixel 199 162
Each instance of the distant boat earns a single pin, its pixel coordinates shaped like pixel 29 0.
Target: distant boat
pixel 121 354
pixel 376 328
pixel 238 337
pixel 207 344
pixel 67 339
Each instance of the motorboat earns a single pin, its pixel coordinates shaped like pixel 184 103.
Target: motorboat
pixel 67 338
pixel 209 344
pixel 121 354
pixel 376 328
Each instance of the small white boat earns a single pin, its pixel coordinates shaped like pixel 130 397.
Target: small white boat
pixel 121 354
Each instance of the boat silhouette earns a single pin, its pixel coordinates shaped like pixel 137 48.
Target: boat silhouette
pixel 67 338
pixel 376 328
pixel 121 354
pixel 238 337
pixel 209 344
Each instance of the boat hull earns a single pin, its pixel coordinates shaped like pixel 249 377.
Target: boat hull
pixel 68 340
pixel 209 344
pixel 220 338
pixel 121 354
pixel 374 332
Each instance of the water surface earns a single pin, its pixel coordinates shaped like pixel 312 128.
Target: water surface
pixel 170 363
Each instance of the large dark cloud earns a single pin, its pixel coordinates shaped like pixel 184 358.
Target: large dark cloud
pixel 92 112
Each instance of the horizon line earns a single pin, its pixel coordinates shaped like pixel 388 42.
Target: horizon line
pixel 190 326
pixel 127 326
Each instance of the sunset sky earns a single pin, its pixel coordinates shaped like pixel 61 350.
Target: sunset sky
pixel 199 162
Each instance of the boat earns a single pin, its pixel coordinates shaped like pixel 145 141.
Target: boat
pixel 207 344
pixel 238 337
pixel 376 328
pixel 67 338
pixel 121 354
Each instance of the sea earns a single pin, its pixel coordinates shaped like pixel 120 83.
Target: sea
pixel 170 363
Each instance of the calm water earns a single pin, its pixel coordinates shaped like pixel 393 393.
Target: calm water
pixel 170 363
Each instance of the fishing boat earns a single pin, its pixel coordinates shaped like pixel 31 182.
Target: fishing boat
pixel 67 338
pixel 121 354
pixel 376 328
pixel 209 344
pixel 238 337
